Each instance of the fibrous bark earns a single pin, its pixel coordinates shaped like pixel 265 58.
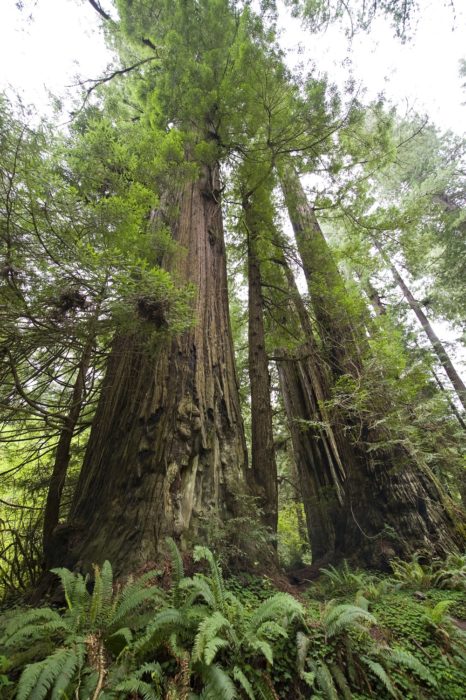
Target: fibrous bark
pixel 305 389
pixel 392 504
pixel 263 462
pixel 166 454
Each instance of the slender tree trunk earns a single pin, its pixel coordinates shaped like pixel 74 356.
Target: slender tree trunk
pixel 436 343
pixel 392 505
pixel 263 462
pixel 341 344
pixel 62 455
pixel 166 454
pixel 380 310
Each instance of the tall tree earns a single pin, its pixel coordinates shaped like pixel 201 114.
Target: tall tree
pixel 263 462
pixel 166 454
pixel 402 496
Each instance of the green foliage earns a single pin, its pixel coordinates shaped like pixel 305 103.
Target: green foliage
pixel 357 15
pixel 94 628
pixel 356 657
pixel 344 579
pixel 448 574
pixel 141 639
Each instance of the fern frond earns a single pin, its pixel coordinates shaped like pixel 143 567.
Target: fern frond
pixel 437 613
pixel 243 681
pixel 152 668
pixel 212 648
pixel 263 647
pixel 271 630
pixel 332 574
pixel 159 630
pixel 344 616
pixel 325 681
pixel 302 643
pixel 279 606
pixel 207 631
pixel 74 587
pixel 107 591
pixel 135 686
pixel 361 601
pixel 36 632
pixel 133 598
pixel 341 682
pixel 379 671
pixel 72 665
pixel 28 680
pixel 200 588
pixel 404 658
pixel 28 624
pixel 218 684
pixel 216 576
pixel 97 595
pixel 37 679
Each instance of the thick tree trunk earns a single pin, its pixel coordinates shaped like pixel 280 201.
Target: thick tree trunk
pixel 319 480
pixel 305 389
pixel 392 505
pixel 263 462
pixel 436 343
pixel 166 454
pixel 63 454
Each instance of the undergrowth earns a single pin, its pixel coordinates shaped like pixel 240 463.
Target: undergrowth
pixel 203 637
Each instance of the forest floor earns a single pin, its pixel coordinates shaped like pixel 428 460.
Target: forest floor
pixel 354 635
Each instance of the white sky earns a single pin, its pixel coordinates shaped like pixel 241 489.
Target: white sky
pixel 63 40
pixel 422 74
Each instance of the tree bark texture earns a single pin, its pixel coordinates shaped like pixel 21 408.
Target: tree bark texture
pixel 319 480
pixel 392 505
pixel 166 454
pixel 263 462
pixel 305 389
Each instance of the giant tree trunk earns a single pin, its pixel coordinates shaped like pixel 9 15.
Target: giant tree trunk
pixel 320 482
pixel 263 462
pixel 392 504
pixel 166 454
pixel 304 387
pixel 341 342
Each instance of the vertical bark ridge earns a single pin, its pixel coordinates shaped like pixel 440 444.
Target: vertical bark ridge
pixel 392 503
pixel 166 454
pixel 263 461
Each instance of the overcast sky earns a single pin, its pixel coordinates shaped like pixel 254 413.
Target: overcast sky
pixel 63 40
